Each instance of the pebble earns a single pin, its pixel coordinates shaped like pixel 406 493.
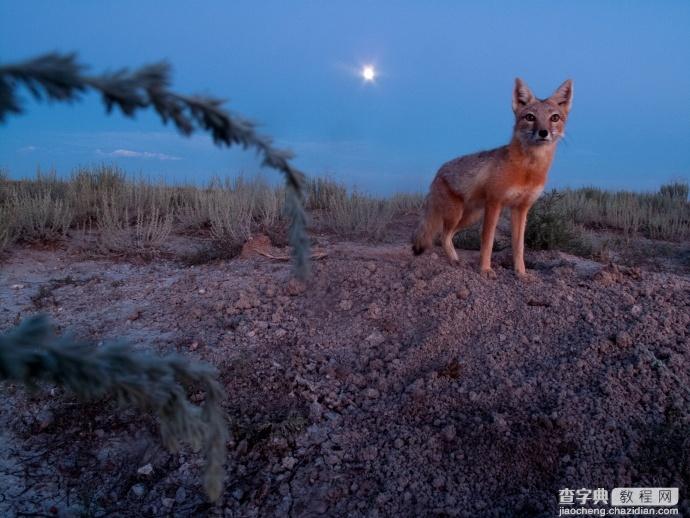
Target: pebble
pixel 147 469
pixel 369 453
pixel 372 393
pixel 289 463
pixel 623 338
pixel 449 432
pixel 138 490
pixel 463 293
pixel 295 287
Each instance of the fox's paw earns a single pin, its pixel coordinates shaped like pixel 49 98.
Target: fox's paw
pixel 488 273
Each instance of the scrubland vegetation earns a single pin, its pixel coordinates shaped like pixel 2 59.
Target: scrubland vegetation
pixel 127 216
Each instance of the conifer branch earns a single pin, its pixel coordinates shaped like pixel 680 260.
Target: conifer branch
pixel 31 354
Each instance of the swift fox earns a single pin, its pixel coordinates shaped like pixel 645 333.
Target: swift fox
pixel 509 176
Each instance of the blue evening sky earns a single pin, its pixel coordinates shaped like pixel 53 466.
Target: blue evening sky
pixel 446 72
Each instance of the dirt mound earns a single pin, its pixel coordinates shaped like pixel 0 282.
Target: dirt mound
pixel 387 386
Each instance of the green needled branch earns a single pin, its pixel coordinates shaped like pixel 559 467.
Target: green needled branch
pixel 32 354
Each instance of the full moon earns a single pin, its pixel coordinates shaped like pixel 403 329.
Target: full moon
pixel 368 73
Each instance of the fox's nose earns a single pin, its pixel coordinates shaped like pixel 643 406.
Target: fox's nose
pixel 543 133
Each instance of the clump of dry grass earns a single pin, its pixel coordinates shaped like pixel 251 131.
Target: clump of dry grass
pixel 40 210
pixel 675 190
pixel 239 208
pixel 143 237
pixel 321 193
pixel 404 203
pixel 664 215
pixel 7 228
pixel 358 215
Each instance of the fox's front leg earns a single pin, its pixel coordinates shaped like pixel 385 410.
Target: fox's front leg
pixel 518 217
pixel 491 214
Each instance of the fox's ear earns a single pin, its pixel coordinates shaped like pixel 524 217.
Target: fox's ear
pixel 564 95
pixel 522 95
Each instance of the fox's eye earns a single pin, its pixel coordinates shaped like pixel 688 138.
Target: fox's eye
pixel 530 117
pixel 555 117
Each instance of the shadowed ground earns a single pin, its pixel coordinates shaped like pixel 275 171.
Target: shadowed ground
pixel 390 385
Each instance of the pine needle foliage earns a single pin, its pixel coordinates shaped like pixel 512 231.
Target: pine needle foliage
pixel 31 354
pixel 60 77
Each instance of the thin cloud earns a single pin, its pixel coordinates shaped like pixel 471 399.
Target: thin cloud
pixel 27 149
pixel 128 153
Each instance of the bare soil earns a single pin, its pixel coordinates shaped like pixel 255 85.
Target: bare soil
pixel 389 385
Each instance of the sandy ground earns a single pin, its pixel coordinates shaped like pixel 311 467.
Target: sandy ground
pixel 387 386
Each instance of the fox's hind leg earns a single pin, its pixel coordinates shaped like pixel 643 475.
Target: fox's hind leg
pixel 452 214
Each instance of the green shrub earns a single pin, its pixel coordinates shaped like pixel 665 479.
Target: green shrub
pixel 548 225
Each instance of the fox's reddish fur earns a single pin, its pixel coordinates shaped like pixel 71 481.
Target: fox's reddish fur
pixel 510 176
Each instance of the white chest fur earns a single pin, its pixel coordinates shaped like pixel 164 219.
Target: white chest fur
pixel 521 196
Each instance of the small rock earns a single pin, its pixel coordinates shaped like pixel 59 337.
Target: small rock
pixel 180 495
pixel 375 338
pixel 369 453
pixel 463 293
pixel 623 339
pixel 289 463
pixel 315 411
pixel 345 305
pixel 372 393
pixel 399 443
pixel 295 287
pixel 374 311
pixel 242 447
pixel 134 316
pixel 138 490
pixel 438 482
pixel 500 422
pixel 331 460
pixel 449 432
pixel 194 346
pixel 145 470
pixel 17 286
pixel 371 266
pixel 45 418
pixel 167 502
pixel 636 310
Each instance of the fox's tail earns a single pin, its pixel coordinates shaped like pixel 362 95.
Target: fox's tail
pixel 429 225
